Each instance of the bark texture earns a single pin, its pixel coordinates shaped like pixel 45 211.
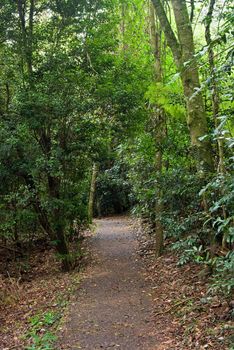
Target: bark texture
pixel 92 191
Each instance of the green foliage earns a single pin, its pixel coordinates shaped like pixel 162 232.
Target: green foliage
pixel 169 97
pixel 77 87
pixel 222 279
pixel 113 191
pixel 39 334
pixel 197 210
pixel 66 92
pixel 189 249
pixel 219 192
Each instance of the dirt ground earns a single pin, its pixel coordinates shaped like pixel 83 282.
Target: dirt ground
pixel 113 308
pixel 121 298
pixel 130 301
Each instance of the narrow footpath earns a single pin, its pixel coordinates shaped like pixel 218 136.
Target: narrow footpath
pixel 113 307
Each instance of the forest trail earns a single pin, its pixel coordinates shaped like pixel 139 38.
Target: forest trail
pixel 113 307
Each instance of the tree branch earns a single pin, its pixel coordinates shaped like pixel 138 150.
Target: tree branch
pixel 168 31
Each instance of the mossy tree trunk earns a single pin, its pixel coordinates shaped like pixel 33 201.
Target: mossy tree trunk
pixel 183 53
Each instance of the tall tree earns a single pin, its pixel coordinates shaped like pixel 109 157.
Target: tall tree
pixel 183 51
pixel 51 123
pixel 159 126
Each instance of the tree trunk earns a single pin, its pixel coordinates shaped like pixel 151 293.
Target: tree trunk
pixel 155 39
pixel 41 213
pixel 59 225
pixel 197 120
pixel 61 243
pixel 159 129
pixel 213 85
pixel 123 25
pixel 92 191
pixel 26 32
pixel 8 97
pixel 215 103
pixel 183 52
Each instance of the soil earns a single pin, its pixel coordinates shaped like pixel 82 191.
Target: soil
pixel 128 300
pixel 113 307
pixel 122 299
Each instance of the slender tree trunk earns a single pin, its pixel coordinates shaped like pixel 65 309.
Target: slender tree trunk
pixel 61 244
pixel 30 37
pixel 92 191
pixel 40 211
pixel 159 129
pixel 183 52
pixel 155 38
pixel 215 100
pixel 213 87
pixel 59 225
pixel 27 33
pixel 8 97
pixel 15 228
pixel 123 25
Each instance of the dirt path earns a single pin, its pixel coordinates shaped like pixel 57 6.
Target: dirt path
pixel 113 308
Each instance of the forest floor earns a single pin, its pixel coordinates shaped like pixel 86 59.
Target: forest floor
pixel 34 293
pixel 122 299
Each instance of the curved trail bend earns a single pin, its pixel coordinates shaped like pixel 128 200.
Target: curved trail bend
pixel 113 307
